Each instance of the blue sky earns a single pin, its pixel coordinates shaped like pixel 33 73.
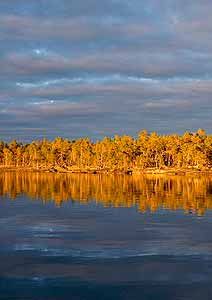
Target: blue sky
pixel 93 68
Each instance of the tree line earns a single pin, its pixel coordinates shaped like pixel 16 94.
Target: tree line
pixel 120 153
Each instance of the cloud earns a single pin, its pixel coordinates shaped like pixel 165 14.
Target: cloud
pixel 120 87
pixel 167 103
pixel 66 8
pixel 103 67
pixel 75 29
pixel 126 62
pixel 51 109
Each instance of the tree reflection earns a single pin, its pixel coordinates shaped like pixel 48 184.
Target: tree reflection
pixel 193 194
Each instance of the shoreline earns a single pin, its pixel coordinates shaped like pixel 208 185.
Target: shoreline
pixel 150 171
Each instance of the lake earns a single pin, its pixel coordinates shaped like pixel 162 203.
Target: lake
pixel 87 237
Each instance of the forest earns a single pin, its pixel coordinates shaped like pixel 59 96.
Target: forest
pixel 148 151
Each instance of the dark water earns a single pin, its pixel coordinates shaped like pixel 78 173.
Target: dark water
pixel 105 237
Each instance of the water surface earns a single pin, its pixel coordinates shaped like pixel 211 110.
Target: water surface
pixel 66 236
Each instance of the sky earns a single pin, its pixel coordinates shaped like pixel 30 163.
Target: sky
pixel 76 68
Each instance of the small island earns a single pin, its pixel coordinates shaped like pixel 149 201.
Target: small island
pixel 148 153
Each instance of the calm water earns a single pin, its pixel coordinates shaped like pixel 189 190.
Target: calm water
pixel 105 237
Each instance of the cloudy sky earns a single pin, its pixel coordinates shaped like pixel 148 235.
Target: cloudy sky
pixel 93 68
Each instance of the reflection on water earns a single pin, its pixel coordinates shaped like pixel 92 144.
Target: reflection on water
pixel 193 194
pixel 80 237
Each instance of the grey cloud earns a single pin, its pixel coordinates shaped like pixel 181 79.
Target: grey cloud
pixel 51 109
pixel 117 85
pixel 128 62
pixel 129 99
pixel 103 67
pixel 76 29
pixel 167 103
pixel 69 8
